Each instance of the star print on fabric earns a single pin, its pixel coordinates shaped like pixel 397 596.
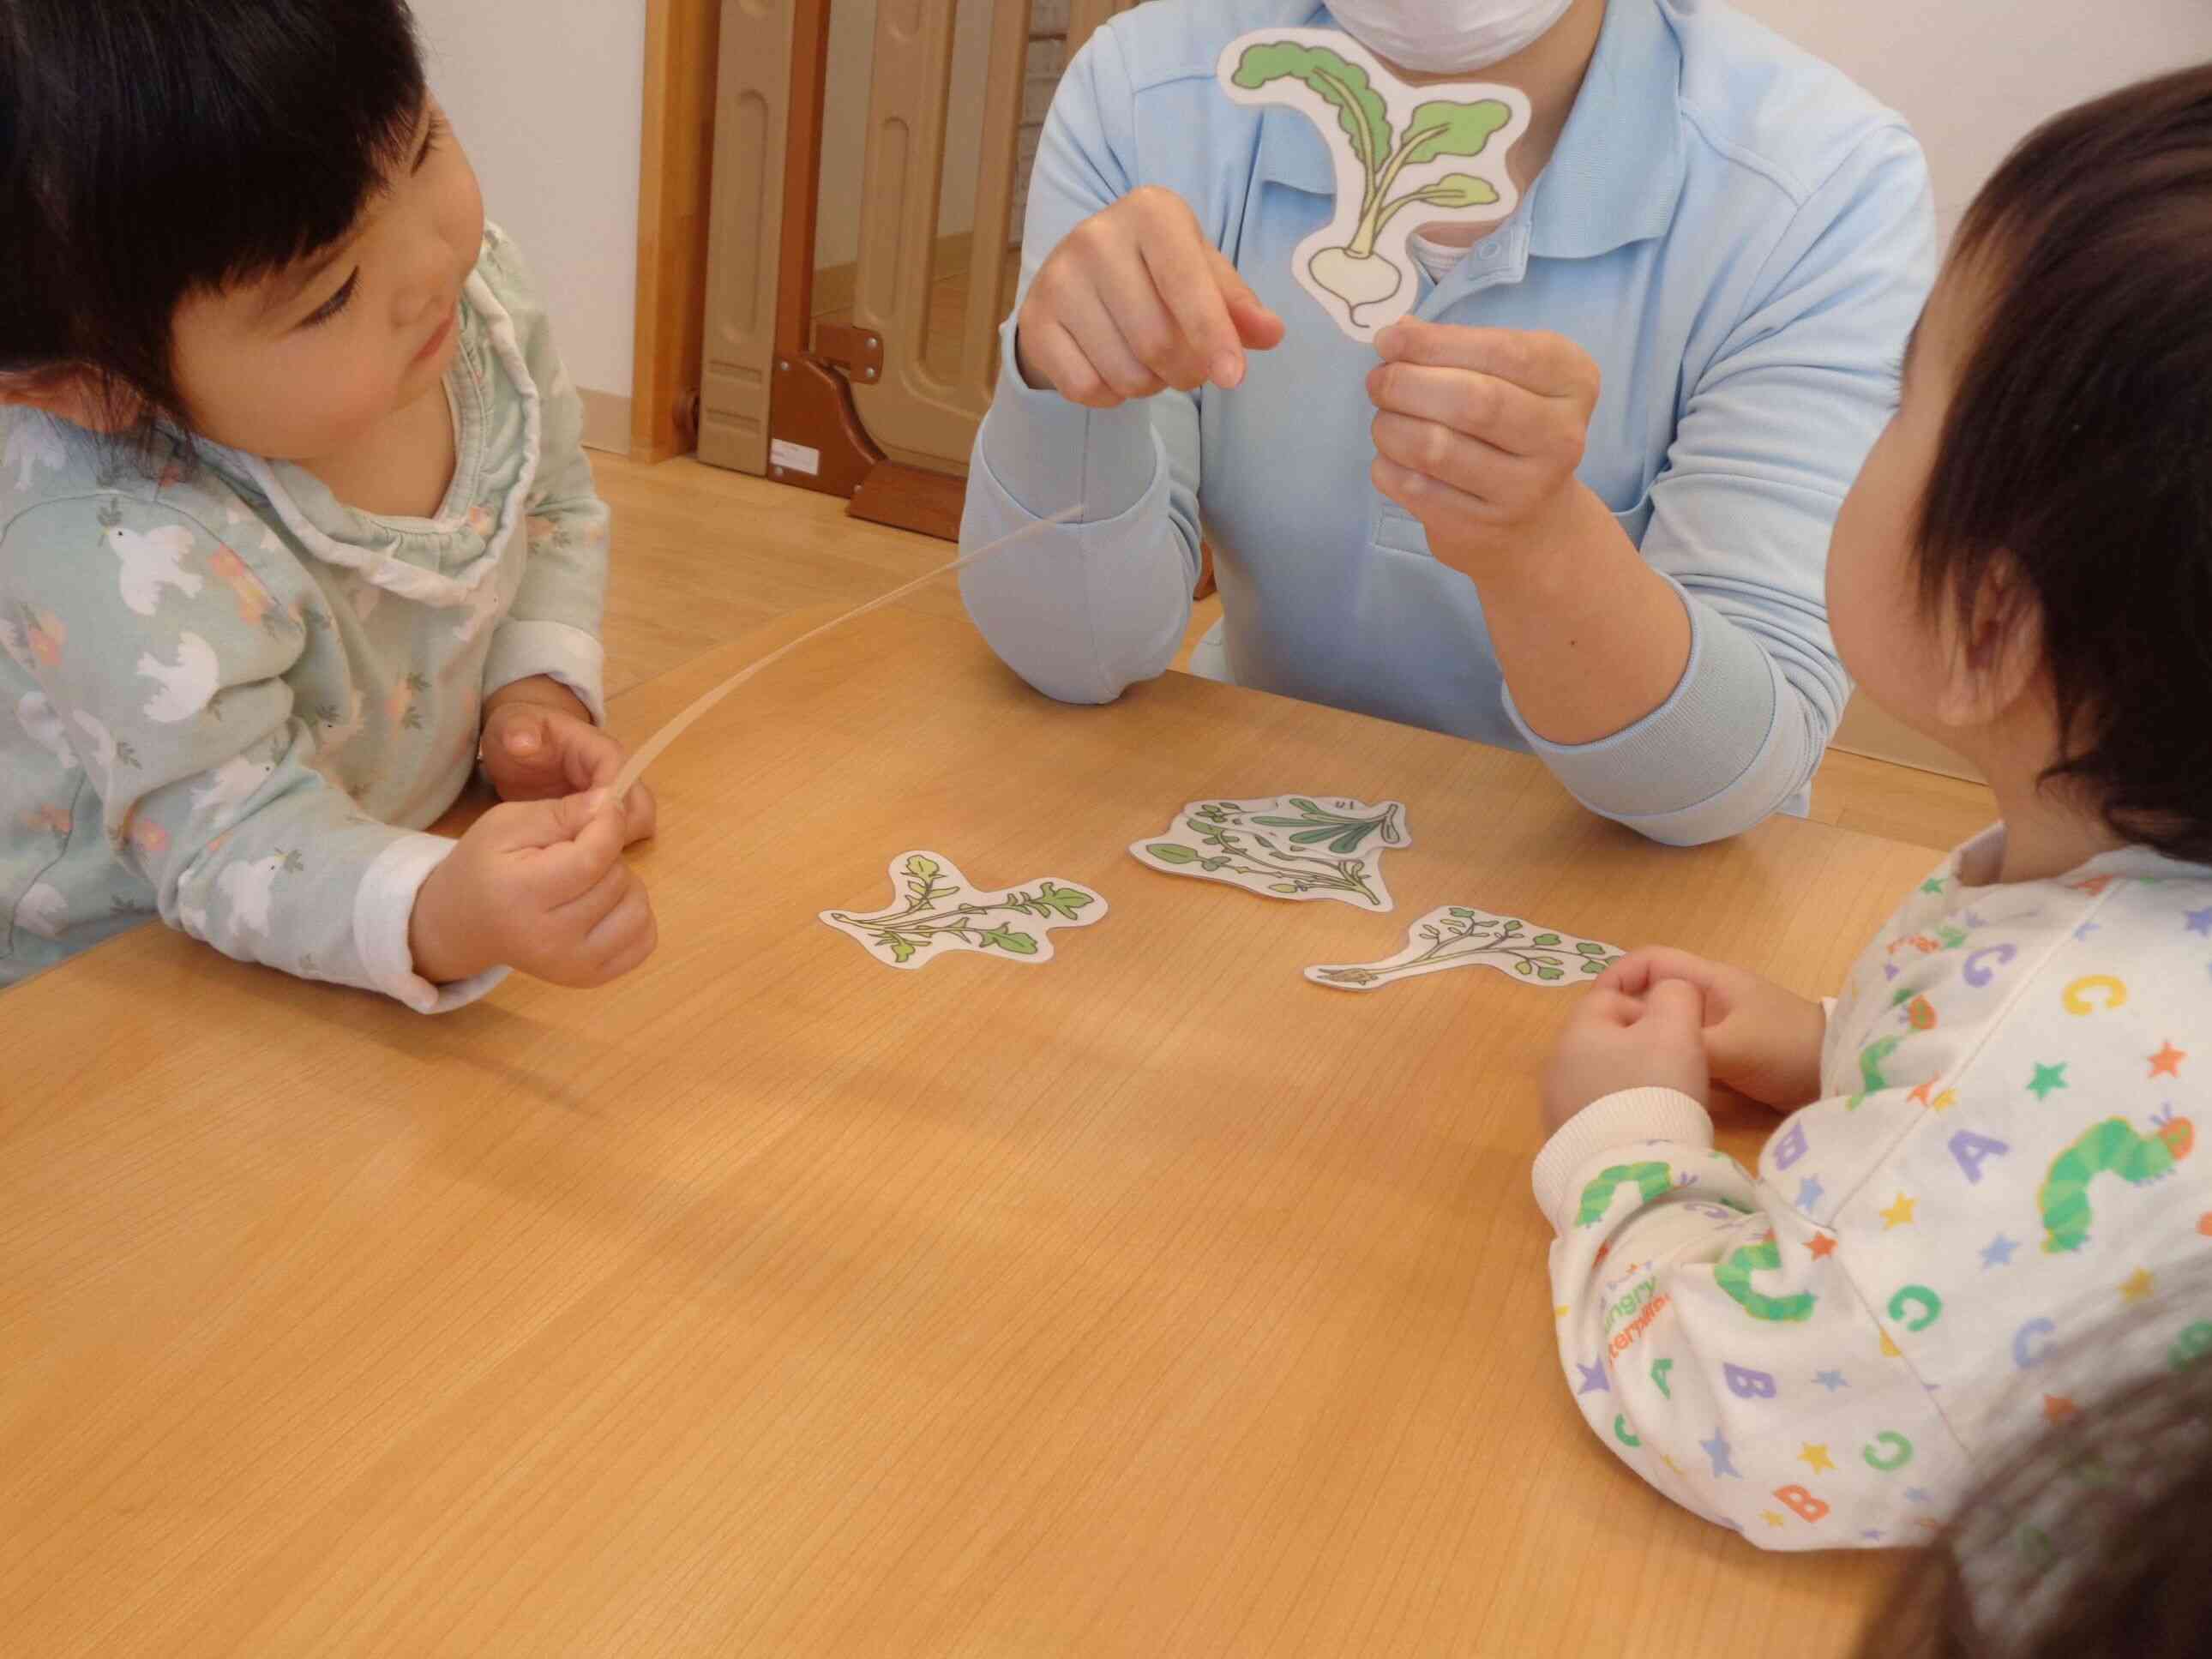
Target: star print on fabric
pixel 1921 1095
pixel 1815 1458
pixel 2139 1285
pixel 1872 1535
pixel 1667 1459
pixel 1822 1247
pixel 2086 928
pixel 2166 1062
pixel 1915 1494
pixel 1562 1310
pixel 1997 1253
pixel 1889 970
pixel 1770 1517
pixel 1944 1102
pixel 1809 1193
pixel 1932 885
pixel 1898 1214
pixel 1718 1449
pixel 1831 1380
pixel 2057 1408
pixel 2200 921
pixel 1594 1381
pixel 2047 1078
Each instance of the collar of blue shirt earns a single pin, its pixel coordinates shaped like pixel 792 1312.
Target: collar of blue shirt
pixel 1617 175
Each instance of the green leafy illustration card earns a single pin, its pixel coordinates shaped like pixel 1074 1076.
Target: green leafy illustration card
pixel 939 913
pixel 1459 936
pixel 1285 846
pixel 1405 157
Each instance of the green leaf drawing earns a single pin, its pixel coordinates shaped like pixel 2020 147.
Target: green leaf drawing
pixel 935 915
pixel 1326 851
pixel 1437 128
pixel 1459 934
pixel 1359 108
pixel 1442 127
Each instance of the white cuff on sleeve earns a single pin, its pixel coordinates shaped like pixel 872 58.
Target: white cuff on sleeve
pixel 1634 1117
pixel 383 909
pixel 524 650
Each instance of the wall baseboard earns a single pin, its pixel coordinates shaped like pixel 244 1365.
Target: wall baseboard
pixel 606 422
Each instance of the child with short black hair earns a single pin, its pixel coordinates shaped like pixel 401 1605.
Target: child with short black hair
pixel 2092 1538
pixel 1826 1355
pixel 295 525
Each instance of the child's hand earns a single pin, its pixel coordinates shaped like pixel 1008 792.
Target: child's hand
pixel 1761 1040
pixel 540 743
pixel 540 886
pixel 1615 1041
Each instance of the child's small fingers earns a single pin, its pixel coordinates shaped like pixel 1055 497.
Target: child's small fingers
pixel 641 815
pixel 1676 1004
pixel 583 915
pixel 618 932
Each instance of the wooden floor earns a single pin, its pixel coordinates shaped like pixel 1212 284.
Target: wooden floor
pixel 703 557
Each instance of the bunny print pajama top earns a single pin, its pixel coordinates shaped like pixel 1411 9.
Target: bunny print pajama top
pixel 229 700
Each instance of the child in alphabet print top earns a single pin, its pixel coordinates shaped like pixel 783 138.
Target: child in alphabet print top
pixel 2009 1093
pixel 295 519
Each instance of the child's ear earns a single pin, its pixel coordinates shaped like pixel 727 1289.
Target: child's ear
pixel 1995 655
pixel 70 394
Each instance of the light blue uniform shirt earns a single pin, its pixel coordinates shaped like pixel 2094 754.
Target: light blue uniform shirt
pixel 1741 237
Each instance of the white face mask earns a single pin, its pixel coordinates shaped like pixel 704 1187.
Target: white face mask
pixel 1447 37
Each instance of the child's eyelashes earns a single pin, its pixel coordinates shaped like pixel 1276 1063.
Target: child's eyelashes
pixel 338 302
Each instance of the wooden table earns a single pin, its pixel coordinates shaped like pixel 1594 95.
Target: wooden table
pixel 1150 1301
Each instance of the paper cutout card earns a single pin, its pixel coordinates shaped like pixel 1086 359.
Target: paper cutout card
pixel 1405 156
pixel 1457 936
pixel 943 915
pixel 1288 846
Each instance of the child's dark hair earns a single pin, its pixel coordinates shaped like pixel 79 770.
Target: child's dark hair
pixel 2094 1540
pixel 2080 443
pixel 150 150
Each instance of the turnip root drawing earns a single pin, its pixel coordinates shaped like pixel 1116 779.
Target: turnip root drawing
pixel 1456 936
pixel 942 913
pixel 1393 145
pixel 1291 846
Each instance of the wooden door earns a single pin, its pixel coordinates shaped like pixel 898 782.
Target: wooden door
pixel 875 392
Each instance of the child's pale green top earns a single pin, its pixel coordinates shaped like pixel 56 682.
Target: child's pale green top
pixel 229 700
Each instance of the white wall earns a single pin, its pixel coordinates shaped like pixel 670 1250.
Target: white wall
pixel 547 97
pixel 1974 76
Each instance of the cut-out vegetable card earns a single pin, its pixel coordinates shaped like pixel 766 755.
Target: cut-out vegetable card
pixel 942 914
pixel 1287 847
pixel 1405 156
pixel 1458 937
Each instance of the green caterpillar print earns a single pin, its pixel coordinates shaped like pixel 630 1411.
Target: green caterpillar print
pixel 1734 1276
pixel 2108 1147
pixel 1654 1181
pixel 1871 1081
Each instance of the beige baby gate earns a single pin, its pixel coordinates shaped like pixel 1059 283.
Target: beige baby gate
pixel 853 311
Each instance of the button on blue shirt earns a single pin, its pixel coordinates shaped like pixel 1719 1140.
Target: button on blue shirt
pixel 1741 237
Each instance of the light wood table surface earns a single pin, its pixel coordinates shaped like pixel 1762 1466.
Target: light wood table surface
pixel 1148 1301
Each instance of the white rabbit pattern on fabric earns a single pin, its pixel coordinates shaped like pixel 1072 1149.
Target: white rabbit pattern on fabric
pixel 190 646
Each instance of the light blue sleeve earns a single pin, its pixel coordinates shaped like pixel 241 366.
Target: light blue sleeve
pixel 1771 439
pixel 1085 610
